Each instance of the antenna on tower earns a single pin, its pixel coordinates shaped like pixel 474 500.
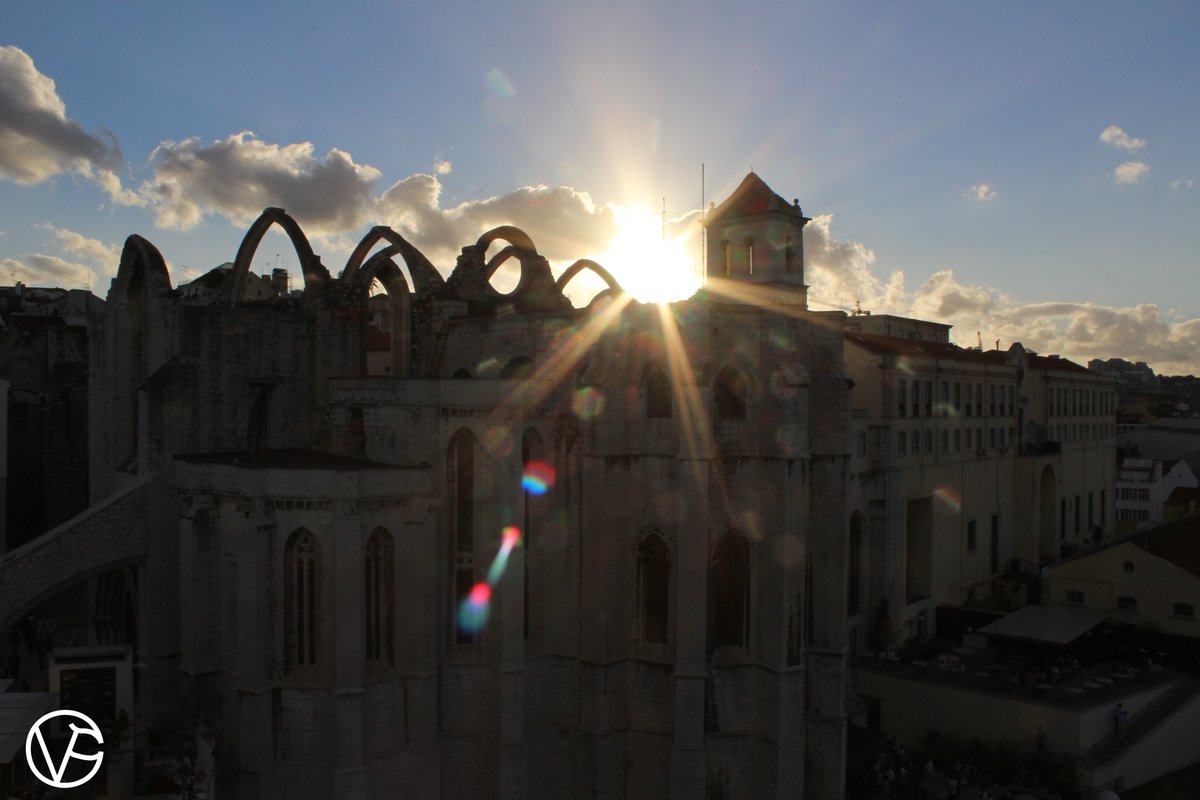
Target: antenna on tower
pixel 704 232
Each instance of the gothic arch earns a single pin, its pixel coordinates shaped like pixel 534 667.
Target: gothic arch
pixel 139 336
pixel 382 266
pixel 509 233
pixel 314 272
pixel 521 246
pixel 579 266
pixel 424 276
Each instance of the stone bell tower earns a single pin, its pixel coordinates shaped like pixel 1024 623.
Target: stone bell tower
pixel 757 237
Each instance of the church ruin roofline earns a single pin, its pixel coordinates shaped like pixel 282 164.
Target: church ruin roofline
pixel 753 197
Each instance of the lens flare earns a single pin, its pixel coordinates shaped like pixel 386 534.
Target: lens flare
pixel 473 612
pixel 949 499
pixel 537 480
pixel 587 403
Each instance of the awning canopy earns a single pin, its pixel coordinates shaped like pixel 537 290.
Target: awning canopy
pixel 1059 625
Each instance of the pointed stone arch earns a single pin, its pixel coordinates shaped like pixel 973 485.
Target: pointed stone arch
pixel 571 272
pixel 139 334
pixel 424 276
pixel 535 289
pixel 314 271
pixel 382 267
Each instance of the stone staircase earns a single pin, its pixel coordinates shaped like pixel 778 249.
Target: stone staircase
pixel 1142 725
pixel 109 534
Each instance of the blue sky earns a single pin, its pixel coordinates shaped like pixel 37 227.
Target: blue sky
pixel 954 156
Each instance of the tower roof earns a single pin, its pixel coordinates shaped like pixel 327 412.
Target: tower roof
pixel 750 198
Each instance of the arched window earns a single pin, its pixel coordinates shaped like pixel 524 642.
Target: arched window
pixel 654 588
pixel 731 394
pixel 115 621
pixel 749 255
pixel 519 369
pixel 658 396
pixel 461 479
pixel 461 373
pixel 728 254
pixel 380 596
pixel 531 450
pixel 302 559
pixel 856 567
pixel 729 592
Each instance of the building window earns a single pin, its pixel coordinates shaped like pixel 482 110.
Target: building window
pixel 957 398
pixel 902 394
pixel 654 586
pixel 928 441
pixel 1127 604
pixel 916 442
pixel 1075 597
pixel 729 593
pixel 992 400
pixel 902 443
pixel 731 394
pixel 957 441
pixel 658 396
pixel 1183 610
pixel 302 556
pixel 855 572
pixel 461 477
pixel 531 451
pixel 971 535
pixel 945 441
pixel 944 408
pixel 929 398
pixel 380 597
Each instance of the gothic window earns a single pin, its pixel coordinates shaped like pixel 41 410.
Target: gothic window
pixel 731 394
pixel 857 567
pixel 114 621
pixel 654 582
pixel 658 396
pixel 461 478
pixel 729 592
pixel 750 255
pixel 380 596
pixel 302 559
pixel 531 450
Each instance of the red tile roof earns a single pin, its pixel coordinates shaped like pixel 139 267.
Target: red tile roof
pixel 1177 542
pixel 917 348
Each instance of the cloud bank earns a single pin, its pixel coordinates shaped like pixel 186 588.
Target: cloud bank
pixel 39 141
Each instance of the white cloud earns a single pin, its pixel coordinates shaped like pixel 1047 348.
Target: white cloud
pixel 37 138
pixel 237 177
pixel 1131 172
pixel 1114 136
pixel 982 191
pixel 840 273
pixel 563 223
pixel 1181 183
pixel 442 166
pixel 104 258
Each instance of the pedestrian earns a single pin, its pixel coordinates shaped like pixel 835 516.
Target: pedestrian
pixel 952 788
pixel 1118 714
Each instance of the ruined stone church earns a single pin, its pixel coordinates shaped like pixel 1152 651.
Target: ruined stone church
pixel 305 535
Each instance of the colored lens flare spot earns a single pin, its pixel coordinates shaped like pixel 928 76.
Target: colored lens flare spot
pixel 537 480
pixel 587 403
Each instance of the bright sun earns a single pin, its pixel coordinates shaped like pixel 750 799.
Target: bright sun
pixel 650 267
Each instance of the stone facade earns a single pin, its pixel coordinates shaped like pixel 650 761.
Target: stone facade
pixel 971 468
pixel 672 624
